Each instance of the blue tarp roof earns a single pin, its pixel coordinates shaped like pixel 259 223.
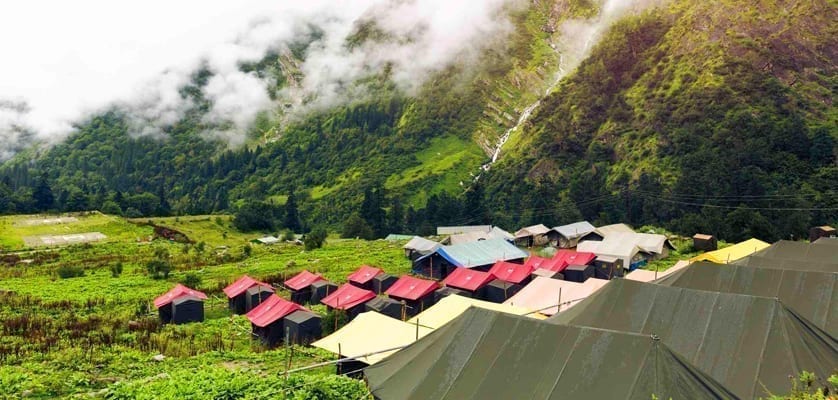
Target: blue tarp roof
pixel 483 252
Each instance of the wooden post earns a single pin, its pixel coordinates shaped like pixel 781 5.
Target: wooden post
pixel 559 306
pixel 290 351
pixel 417 328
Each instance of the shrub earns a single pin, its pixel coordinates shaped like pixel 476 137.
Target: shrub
pixel 159 269
pixel 70 271
pixel 288 235
pixel 116 270
pixel 191 280
pixel 315 239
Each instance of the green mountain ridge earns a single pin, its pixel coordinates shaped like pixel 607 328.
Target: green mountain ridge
pixel 714 116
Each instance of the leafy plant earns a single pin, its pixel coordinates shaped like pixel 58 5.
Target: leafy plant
pixel 70 271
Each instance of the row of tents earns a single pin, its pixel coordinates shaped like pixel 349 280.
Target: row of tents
pixel 617 245
pixel 706 330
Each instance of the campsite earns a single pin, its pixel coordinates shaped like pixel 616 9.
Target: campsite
pixel 334 317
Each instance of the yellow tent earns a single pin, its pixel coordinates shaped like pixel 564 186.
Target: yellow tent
pixel 452 306
pixel 371 332
pixel 732 253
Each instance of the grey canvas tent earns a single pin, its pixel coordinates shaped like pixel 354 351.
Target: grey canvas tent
pixel 386 306
pixel 490 355
pixel 255 295
pixel 303 327
pixel 321 289
pixel 187 309
pixel 812 295
pixel 749 344
pixel 419 246
pixel 569 235
pixel 382 282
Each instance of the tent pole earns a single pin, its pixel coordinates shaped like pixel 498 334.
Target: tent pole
pixel 559 304
pixel 417 328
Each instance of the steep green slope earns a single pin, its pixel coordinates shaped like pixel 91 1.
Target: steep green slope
pixel 713 116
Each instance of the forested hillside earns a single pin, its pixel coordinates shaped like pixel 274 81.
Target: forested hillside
pixel 701 116
pixel 711 116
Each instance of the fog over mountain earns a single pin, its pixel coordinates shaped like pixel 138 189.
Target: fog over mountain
pixel 137 57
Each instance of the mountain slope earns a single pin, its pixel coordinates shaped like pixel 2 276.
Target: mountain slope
pixel 712 116
pixel 718 103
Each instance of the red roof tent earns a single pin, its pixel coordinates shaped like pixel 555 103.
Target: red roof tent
pixel 565 257
pixel 241 285
pixel 536 262
pixel 468 279
pixel 177 291
pixel 510 272
pixel 364 274
pixel 347 296
pixel 302 280
pixel 272 309
pixel 412 288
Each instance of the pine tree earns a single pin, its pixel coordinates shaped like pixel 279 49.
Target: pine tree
pixel 44 199
pixel 292 215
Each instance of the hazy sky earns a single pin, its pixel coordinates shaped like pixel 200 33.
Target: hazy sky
pixel 63 60
pixel 66 56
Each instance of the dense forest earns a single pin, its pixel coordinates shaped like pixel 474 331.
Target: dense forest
pixel 692 116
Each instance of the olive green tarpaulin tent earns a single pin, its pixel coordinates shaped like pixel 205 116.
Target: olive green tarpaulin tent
pixel 796 256
pixel 749 344
pixel 800 251
pixel 490 355
pixel 812 295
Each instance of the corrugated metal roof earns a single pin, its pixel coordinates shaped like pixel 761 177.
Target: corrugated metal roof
pixel 484 252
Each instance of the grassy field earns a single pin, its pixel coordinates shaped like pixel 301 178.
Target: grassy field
pixel 96 334
pixel 14 228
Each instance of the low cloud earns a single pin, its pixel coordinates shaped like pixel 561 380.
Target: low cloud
pixel 100 55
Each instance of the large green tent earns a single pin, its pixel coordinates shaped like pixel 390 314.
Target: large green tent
pixel 790 255
pixel 812 295
pixel 749 344
pixel 490 355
